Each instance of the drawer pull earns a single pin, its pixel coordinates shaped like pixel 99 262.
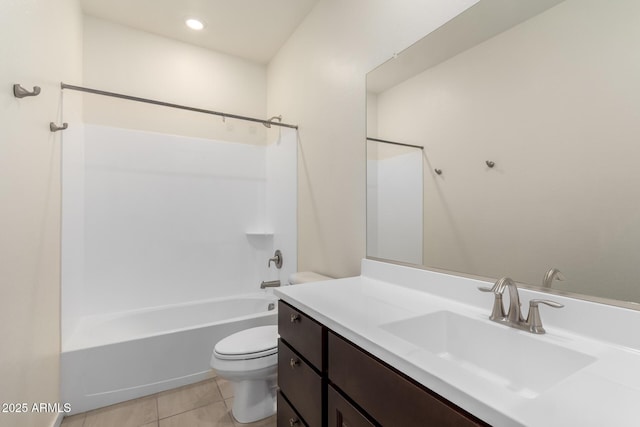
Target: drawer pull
pixel 294 362
pixel 293 422
pixel 295 317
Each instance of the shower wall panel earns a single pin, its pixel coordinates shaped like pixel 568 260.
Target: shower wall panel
pixel 166 220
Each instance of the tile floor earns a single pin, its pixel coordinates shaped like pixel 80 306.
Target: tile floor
pixel 204 404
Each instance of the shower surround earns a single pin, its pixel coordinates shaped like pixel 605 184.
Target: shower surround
pixel 157 220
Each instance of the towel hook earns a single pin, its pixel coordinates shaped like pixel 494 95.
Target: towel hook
pixel 55 128
pixel 438 171
pixel 490 163
pixel 20 92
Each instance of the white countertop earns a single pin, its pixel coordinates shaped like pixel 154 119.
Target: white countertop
pixel 606 392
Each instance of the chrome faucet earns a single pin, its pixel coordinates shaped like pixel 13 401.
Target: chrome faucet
pixel 550 276
pixel 514 314
pixel 514 318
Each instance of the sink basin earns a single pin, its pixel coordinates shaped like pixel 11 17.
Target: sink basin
pixel 513 359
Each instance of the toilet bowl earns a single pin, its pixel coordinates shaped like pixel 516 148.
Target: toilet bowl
pixel 248 360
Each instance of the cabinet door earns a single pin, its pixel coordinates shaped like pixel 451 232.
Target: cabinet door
pixel 342 413
pixel 300 384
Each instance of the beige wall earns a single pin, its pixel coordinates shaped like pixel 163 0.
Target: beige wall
pixel 40 44
pixel 133 62
pixel 317 80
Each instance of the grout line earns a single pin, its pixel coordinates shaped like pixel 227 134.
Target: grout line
pixel 188 410
pixel 156 395
pixel 194 408
pixel 219 390
pixel 157 411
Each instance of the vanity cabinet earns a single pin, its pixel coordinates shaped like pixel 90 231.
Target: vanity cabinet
pixel 327 381
pixel 301 369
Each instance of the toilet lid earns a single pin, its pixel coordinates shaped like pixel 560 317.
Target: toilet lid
pixel 249 344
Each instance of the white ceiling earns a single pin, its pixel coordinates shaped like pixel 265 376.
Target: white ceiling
pixel 251 29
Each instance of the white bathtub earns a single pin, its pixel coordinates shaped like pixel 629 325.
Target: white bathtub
pixel 122 356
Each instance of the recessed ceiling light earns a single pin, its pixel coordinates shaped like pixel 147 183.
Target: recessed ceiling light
pixel 194 24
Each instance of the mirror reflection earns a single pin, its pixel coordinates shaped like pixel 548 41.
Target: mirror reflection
pixel 394 201
pixel 531 111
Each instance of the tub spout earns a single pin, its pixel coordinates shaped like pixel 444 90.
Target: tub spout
pixel 271 284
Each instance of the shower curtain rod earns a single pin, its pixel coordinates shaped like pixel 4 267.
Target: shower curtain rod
pixel 395 143
pixel 266 123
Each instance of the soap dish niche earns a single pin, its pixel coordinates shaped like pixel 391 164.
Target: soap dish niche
pixel 259 233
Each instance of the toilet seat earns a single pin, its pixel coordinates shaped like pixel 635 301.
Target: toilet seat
pixel 249 344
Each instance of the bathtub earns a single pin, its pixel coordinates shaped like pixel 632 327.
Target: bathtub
pixel 117 357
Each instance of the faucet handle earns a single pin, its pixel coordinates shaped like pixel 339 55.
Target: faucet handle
pixel 534 322
pixel 535 302
pixel 277 259
pixel 486 289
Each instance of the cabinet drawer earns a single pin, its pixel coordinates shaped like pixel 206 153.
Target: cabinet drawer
pixel 386 395
pixel 300 384
pixel 287 416
pixel 342 413
pixel 302 333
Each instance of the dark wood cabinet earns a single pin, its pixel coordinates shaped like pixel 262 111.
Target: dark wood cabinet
pixel 303 334
pixel 327 381
pixel 301 368
pixel 341 413
pixel 301 385
pixel 287 416
pixel 389 397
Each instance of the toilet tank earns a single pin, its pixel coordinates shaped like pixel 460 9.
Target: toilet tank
pixel 305 277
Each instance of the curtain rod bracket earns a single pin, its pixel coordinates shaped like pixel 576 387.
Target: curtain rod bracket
pixel 267 123
pixel 55 128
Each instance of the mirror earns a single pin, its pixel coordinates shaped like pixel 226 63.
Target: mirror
pixel 530 110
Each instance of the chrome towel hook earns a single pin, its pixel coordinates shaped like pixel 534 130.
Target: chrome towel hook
pixel 55 128
pixel 20 92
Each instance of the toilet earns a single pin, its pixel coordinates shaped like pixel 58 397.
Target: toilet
pixel 249 360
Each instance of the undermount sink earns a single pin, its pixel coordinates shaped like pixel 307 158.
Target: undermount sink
pixel 520 362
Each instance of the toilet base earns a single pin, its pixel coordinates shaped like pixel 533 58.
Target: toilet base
pixel 254 400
